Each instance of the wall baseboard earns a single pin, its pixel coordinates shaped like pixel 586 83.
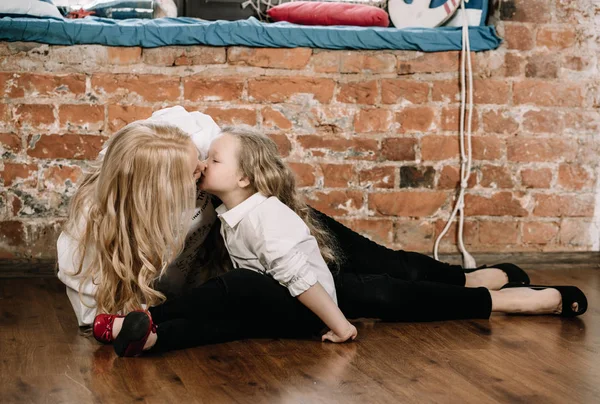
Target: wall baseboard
pixel 37 268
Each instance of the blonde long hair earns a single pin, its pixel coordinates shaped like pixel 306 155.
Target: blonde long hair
pixel 261 163
pixel 131 214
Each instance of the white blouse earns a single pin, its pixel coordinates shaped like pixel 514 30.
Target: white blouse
pixel 264 235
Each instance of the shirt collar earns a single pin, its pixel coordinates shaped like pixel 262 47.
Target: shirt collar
pixel 233 216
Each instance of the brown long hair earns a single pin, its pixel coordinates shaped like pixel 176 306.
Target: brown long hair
pixel 262 164
pixel 131 214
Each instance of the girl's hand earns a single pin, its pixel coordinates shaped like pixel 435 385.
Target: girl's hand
pixel 349 333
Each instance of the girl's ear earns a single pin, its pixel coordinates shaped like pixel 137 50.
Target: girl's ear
pixel 244 182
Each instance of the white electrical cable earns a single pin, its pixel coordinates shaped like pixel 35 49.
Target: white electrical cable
pixel 465 153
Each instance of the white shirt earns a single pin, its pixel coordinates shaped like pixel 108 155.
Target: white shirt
pixel 264 235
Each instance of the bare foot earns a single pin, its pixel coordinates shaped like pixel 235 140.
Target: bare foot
pixel 527 301
pixel 491 278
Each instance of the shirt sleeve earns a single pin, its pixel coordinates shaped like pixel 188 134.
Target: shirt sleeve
pixel 81 291
pixel 277 250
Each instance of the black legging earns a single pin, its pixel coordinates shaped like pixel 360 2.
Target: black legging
pixel 373 281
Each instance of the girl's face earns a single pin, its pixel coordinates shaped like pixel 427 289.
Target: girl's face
pixel 220 171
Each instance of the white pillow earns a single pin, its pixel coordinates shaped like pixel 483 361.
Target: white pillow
pixel 29 7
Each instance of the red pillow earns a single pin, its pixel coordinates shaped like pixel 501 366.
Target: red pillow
pixel 325 13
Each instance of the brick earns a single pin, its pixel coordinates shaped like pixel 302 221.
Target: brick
pixel 361 62
pixel 4 113
pixel 398 91
pixel 16 171
pixel 10 141
pixel 498 204
pixel 435 62
pixel 338 175
pixel 377 177
pixel 332 119
pixel 414 235
pixel 184 56
pixel 148 87
pixel 44 85
pixel 547 121
pixel 12 232
pixel 543 66
pixel 572 12
pixel 203 89
pixel 519 37
pixel 289 89
pixel 497 177
pixel 445 90
pixel 34 115
pixel 364 92
pixel 548 94
pixel 336 203
pixel 407 203
pixel 487 147
pixel 514 65
pixel 451 119
pixel 232 116
pixel 581 122
pixel 434 147
pixel 416 177
pixel 576 63
pixel 373 120
pixel 354 148
pixel 574 177
pixel 538 11
pixel 575 233
pixel 536 178
pixel 121 115
pixel 380 231
pixel 124 56
pixel 81 117
pixel 490 91
pixel 499 232
pixel 499 121
pixel 398 149
pixel 274 119
pixel 277 58
pixel 61 175
pixel 450 178
pixel 581 205
pixel 470 232
pixel 304 173
pixel 555 38
pixel 68 146
pixel 530 149
pixel 539 232
pixel 326 61
pixel 415 118
pixel 283 144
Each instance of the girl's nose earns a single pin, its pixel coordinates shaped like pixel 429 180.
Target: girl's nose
pixel 202 165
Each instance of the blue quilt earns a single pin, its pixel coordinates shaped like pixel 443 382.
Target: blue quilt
pixel 250 32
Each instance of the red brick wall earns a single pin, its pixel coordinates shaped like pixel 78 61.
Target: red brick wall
pixel 373 136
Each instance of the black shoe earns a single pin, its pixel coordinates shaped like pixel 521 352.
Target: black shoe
pixel 513 272
pixel 570 295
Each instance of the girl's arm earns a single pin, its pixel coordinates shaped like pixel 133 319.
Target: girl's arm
pixel 320 303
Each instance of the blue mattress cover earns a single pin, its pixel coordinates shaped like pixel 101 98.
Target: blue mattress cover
pixel 251 32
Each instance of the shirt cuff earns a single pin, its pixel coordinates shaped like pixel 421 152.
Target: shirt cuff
pixel 300 284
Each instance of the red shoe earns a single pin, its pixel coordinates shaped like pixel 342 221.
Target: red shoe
pixel 103 327
pixel 135 331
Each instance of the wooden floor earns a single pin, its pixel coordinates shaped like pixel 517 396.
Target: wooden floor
pixel 506 359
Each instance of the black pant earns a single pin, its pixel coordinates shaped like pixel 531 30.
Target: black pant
pixel 373 281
